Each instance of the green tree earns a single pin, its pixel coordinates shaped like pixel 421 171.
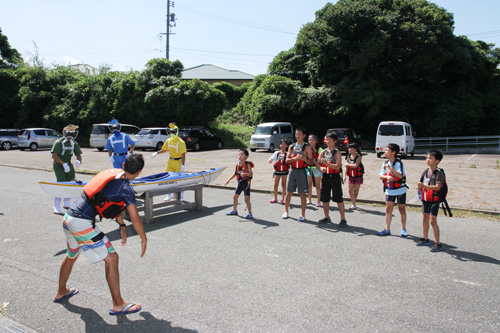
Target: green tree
pixel 9 57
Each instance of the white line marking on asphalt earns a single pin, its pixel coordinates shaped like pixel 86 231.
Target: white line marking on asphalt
pixel 468 282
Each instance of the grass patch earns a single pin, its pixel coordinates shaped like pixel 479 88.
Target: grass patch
pixel 233 135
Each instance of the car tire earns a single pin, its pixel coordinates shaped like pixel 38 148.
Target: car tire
pixel 6 145
pixel 253 150
pixel 100 149
pixel 271 148
pixel 412 153
pixel 159 146
pixel 196 147
pixel 22 149
pixel 219 145
pixel 33 146
pixel 379 155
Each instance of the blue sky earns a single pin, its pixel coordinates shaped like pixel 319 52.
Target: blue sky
pixel 238 35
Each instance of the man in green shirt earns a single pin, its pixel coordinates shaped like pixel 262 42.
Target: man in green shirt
pixel 62 150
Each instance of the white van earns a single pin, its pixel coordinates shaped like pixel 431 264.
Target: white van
pixel 397 132
pixel 101 132
pixel 269 135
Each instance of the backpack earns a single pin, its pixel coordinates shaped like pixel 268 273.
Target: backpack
pixel 93 195
pixel 436 196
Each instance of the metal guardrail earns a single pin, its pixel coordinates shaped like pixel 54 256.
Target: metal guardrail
pixel 459 143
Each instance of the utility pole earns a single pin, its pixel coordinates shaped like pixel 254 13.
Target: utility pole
pixel 170 24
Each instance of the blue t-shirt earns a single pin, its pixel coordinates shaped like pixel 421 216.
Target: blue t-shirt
pixel 118 144
pixel 116 190
pixel 398 166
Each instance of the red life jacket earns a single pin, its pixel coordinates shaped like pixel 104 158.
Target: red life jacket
pixel 431 195
pixel 355 172
pixel 280 164
pixel 93 195
pixel 396 182
pixel 243 169
pixel 330 156
pixel 300 164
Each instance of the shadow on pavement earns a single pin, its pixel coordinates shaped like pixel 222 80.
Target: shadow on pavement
pixel 95 323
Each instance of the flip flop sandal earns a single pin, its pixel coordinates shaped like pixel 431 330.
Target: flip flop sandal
pixel 71 292
pixel 125 310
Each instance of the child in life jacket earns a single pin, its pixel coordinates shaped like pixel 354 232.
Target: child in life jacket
pixel 429 187
pixel 393 176
pixel 313 173
pixel 355 170
pixel 280 171
pixel 330 162
pixel 299 157
pixel 243 174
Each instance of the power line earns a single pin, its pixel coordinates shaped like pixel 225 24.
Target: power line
pixel 235 21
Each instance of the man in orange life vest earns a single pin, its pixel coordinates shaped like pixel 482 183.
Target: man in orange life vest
pixel 299 157
pixel 113 188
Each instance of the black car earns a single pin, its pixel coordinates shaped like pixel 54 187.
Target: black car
pixel 345 137
pixel 198 137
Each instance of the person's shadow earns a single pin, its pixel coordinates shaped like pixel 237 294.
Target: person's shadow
pixel 95 323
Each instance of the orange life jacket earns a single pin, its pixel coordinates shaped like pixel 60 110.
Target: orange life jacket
pixel 330 156
pixel 396 182
pixel 243 169
pixel 297 150
pixel 280 164
pixel 93 195
pixel 355 172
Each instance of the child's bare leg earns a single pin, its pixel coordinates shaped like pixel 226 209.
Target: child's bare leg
pixel 351 195
pixel 249 205
pixel 389 206
pixel 309 188
pixel 288 198
pixel 341 210
pixel 356 192
pixel 283 186
pixel 303 203
pixel 326 209
pixel 276 182
pixel 235 202
pixel 435 228
pixel 402 211
pixel 318 188
pixel 425 225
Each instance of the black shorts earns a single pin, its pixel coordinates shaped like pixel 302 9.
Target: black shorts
pixel 401 199
pixel 243 186
pixel 430 207
pixel 331 188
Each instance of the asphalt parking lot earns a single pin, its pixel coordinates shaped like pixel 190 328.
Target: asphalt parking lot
pixel 208 272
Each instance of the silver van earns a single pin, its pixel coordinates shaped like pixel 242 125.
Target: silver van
pixel 101 132
pixel 269 135
pixel 397 132
pixel 34 138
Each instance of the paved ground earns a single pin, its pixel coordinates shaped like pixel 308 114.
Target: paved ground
pixel 208 272
pixel 473 180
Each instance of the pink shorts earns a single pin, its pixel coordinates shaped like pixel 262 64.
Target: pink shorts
pixel 355 180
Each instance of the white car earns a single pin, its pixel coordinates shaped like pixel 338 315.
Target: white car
pixel 151 137
pixel 101 132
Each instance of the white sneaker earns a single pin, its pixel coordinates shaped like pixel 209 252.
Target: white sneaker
pixel 285 215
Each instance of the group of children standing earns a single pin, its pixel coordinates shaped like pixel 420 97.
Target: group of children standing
pixel 302 166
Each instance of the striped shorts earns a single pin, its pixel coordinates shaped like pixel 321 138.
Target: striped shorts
pixel 81 235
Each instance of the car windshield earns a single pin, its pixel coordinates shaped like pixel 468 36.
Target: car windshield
pixel 100 129
pixel 266 130
pixel 391 130
pixel 144 132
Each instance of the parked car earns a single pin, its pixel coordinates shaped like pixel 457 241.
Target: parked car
pixel 34 138
pixel 397 132
pixel 269 135
pixel 151 137
pixel 8 138
pixel 345 137
pixel 198 137
pixel 101 132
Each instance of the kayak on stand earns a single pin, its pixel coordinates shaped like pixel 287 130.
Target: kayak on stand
pixel 158 181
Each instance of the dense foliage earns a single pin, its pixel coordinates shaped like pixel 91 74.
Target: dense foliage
pixel 396 60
